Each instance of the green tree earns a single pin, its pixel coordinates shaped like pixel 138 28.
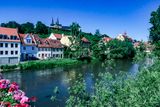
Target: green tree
pixel 75 29
pixel 11 24
pixel 27 27
pixel 41 28
pixel 97 33
pixel 155 29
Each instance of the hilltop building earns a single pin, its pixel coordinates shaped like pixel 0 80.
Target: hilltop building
pixel 56 25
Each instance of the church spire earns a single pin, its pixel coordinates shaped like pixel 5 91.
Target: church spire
pixel 57 22
pixel 52 24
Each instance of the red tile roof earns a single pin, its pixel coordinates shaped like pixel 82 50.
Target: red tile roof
pixel 9 31
pixel 107 39
pixel 58 36
pixel 84 39
pixel 47 43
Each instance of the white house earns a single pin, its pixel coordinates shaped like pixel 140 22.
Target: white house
pixel 48 48
pixel 66 40
pixel 28 47
pixel 9 46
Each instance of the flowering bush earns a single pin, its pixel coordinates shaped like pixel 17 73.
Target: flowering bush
pixel 12 96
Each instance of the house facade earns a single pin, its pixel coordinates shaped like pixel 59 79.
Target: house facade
pixel 9 46
pixel 28 47
pixel 48 48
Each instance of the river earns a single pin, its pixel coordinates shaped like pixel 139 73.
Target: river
pixel 40 83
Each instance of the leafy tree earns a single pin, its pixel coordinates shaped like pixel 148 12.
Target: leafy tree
pixel 75 29
pixel 120 49
pixel 11 24
pixel 41 28
pixel 155 29
pixel 97 33
pixel 27 27
pixel 3 25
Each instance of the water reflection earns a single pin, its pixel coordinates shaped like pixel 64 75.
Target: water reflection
pixel 40 83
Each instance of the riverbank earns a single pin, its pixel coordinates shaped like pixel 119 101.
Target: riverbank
pixel 40 64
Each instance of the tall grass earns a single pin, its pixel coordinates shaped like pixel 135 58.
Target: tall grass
pixel 46 64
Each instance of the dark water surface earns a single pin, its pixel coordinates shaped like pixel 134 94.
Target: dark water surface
pixel 40 83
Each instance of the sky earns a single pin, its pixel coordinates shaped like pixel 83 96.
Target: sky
pixel 111 17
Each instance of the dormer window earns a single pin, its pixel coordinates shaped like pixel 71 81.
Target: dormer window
pixel 28 40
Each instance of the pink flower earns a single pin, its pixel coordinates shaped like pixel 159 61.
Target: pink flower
pixel 13 87
pixel 17 95
pixel 21 105
pixel 24 100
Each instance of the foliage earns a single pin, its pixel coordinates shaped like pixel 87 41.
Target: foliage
pixel 41 28
pixel 97 33
pixel 155 29
pixel 11 24
pixel 27 27
pixel 141 91
pixel 8 67
pixel 43 64
pixel 120 49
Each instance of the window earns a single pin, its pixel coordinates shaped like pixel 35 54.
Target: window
pixel 46 55
pixel 16 45
pixel 39 55
pixel 16 52
pixel 46 49
pixel 24 48
pixel 32 48
pixel 28 40
pixel 11 45
pixel 6 52
pixel 39 49
pixel 1 52
pixel 6 45
pixel 1 44
pixel 42 49
pixel 53 50
pixel 11 52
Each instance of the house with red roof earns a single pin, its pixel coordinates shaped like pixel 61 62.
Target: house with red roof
pixel 106 39
pixel 9 46
pixel 85 42
pixel 55 36
pixel 28 47
pixel 48 48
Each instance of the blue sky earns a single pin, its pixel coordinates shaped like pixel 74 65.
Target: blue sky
pixel 111 17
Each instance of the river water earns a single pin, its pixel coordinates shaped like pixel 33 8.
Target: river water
pixel 40 83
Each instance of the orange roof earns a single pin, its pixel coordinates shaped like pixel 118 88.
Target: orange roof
pixel 59 36
pixel 9 31
pixel 84 39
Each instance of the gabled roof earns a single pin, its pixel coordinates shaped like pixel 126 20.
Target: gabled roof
pixel 47 43
pixel 23 36
pixel 106 39
pixel 85 40
pixel 9 31
pixel 58 36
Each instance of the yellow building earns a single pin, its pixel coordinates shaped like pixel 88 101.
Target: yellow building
pixel 65 40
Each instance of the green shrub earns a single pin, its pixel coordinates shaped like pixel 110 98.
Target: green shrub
pixel 140 91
